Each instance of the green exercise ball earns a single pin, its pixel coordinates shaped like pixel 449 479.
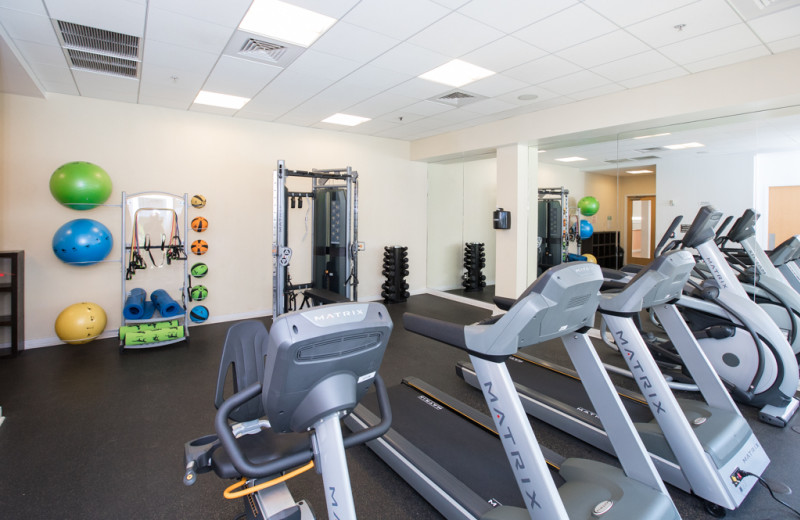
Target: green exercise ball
pixel 80 185
pixel 588 206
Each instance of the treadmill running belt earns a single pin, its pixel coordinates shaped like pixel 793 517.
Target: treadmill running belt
pixel 467 451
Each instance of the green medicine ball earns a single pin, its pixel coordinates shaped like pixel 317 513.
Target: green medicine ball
pixel 199 270
pixel 198 292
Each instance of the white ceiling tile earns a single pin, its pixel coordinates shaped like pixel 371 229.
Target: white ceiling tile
pixel 728 58
pixel 208 109
pixel 419 89
pixel 489 106
pixel 603 49
pixel 54 87
pixel 379 105
pixel 511 15
pixel 28 26
pixel 428 108
pixel 112 15
pixel 176 93
pixel 176 103
pixel 45 54
pixel 400 117
pixel 633 66
pixel 541 93
pixel 566 28
pixel 625 12
pixel 778 26
pixel 333 8
pixel 319 64
pixel 717 43
pixel 285 92
pixel 543 69
pixel 785 45
pixel 239 77
pixel 340 96
pixel 28 6
pixel 410 59
pixel 602 90
pixel 452 4
pixel 168 27
pixel 449 117
pixel 654 77
pixel 495 85
pixel 228 13
pixel 103 86
pixel 371 127
pixel 353 42
pixel 375 77
pixel 576 82
pixel 503 54
pixel 398 20
pixel 697 18
pixel 183 61
pixel 52 73
pixel 455 35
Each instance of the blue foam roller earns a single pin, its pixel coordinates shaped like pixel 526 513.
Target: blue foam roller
pixel 165 305
pixel 149 310
pixel 134 308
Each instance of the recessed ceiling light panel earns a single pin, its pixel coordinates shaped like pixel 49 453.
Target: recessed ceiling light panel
pixel 345 120
pixel 457 73
pixel 637 172
pixel 285 22
pixel 216 99
pixel 683 146
pixel 571 159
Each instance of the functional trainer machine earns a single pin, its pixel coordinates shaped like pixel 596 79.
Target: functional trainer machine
pixel 475 483
pixel 702 447
pixel 311 369
pixel 334 199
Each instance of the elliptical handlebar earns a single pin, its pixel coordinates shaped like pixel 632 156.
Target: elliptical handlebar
pixel 744 227
pixel 668 235
pixel 246 468
pixel 702 228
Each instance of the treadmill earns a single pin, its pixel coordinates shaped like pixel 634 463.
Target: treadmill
pixel 702 447
pixel 450 453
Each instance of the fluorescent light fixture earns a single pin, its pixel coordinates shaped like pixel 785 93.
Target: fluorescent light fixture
pixel 216 99
pixel 636 172
pixel 652 135
pixel 457 73
pixel 286 22
pixel 683 146
pixel 571 159
pixel 345 119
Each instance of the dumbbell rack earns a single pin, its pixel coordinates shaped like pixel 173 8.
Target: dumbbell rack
pixel 395 269
pixel 474 261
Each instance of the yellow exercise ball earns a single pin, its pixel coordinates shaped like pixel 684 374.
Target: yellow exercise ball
pixel 80 323
pixel 590 258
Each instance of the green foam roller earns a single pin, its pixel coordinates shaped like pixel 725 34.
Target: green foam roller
pixel 143 327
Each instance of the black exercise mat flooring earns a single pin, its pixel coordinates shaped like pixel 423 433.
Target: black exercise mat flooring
pixel 93 434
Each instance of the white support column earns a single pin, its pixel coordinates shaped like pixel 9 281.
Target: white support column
pixel 511 245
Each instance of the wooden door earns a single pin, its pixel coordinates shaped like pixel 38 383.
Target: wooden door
pixel 640 229
pixel 783 221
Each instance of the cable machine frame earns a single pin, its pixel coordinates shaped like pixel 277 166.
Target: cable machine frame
pixel 282 253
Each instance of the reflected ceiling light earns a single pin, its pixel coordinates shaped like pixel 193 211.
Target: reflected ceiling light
pixel 286 22
pixel 637 172
pixel 345 120
pixel 527 97
pixel 215 99
pixel 652 135
pixel 457 73
pixel 571 159
pixel 683 146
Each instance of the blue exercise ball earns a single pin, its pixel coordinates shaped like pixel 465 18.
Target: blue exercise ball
pixel 586 229
pixel 82 241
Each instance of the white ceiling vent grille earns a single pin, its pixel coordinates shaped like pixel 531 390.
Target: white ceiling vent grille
pixel 98 50
pixel 457 98
pixel 263 50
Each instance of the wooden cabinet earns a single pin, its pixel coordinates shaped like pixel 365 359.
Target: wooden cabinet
pixel 12 304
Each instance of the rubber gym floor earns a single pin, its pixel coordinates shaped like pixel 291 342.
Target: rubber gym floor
pixel 93 433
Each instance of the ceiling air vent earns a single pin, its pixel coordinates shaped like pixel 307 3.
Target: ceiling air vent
pixel 457 98
pixel 98 50
pixel 263 50
pixel 646 158
pixel 616 161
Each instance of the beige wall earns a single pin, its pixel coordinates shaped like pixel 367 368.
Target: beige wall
pixel 228 160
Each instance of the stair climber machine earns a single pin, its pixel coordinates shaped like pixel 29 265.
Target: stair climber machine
pixel 762 280
pixel 744 345
pixel 450 453
pixel 705 448
pixel 310 370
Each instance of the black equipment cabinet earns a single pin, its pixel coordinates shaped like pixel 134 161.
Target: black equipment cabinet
pixel 604 245
pixel 12 292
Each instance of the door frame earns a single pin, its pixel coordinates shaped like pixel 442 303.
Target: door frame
pixel 629 258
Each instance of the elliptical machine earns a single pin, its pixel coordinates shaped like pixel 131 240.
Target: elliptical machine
pixel 745 347
pixel 311 370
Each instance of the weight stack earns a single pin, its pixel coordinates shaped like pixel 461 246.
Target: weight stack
pixel 395 269
pixel 474 261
